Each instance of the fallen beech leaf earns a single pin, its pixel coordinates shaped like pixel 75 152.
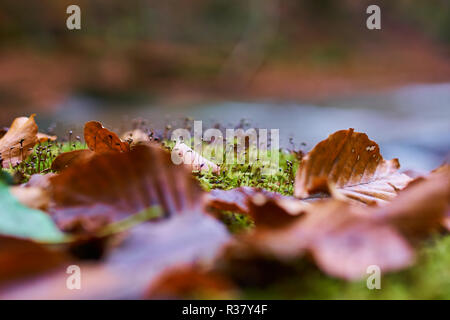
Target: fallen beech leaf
pixel 32 197
pixel 100 139
pixel 184 154
pixel 347 250
pixel 351 165
pixel 342 241
pixel 130 268
pixel 275 212
pixel 344 238
pixel 16 145
pixel 422 205
pixel 265 207
pixel 19 221
pixel 42 137
pixel 190 282
pixel 39 180
pixel 21 258
pixel 67 159
pixel 112 186
pixel 235 200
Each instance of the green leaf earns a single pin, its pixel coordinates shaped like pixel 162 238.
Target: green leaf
pixel 5 177
pixel 20 221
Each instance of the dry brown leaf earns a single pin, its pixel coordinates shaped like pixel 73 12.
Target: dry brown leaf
pixel 344 238
pixel 100 139
pixel 266 208
pixel 21 258
pixel 39 180
pixel 426 199
pixel 184 154
pixel 34 194
pixel 235 200
pixel 342 241
pixel 67 159
pixel 112 186
pixel 351 165
pixel 32 197
pixel 191 282
pixel 16 145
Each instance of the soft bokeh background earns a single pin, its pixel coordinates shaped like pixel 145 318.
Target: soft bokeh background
pixel 307 67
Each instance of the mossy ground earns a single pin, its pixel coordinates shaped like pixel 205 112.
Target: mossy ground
pixel 429 278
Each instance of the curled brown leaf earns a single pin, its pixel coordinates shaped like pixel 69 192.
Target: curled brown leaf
pixel 21 258
pixel 17 144
pixel 67 159
pixel 112 186
pixel 344 238
pixel 100 139
pixel 191 282
pixel 350 164
pixel 32 197
pixel 265 207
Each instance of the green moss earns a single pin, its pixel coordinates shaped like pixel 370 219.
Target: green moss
pixel 41 158
pixel 429 278
pixel 236 222
pixel 239 175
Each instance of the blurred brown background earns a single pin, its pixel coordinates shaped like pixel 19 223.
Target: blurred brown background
pixel 189 51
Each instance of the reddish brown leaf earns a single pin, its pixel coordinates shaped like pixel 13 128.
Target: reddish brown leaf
pixel 67 159
pixel 235 200
pixel 112 186
pixel 342 241
pixel 39 180
pixel 267 208
pixel 100 139
pixel 422 205
pixel 190 282
pixel 351 165
pixel 16 145
pixel 21 258
pixel 345 238
pixel 32 197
